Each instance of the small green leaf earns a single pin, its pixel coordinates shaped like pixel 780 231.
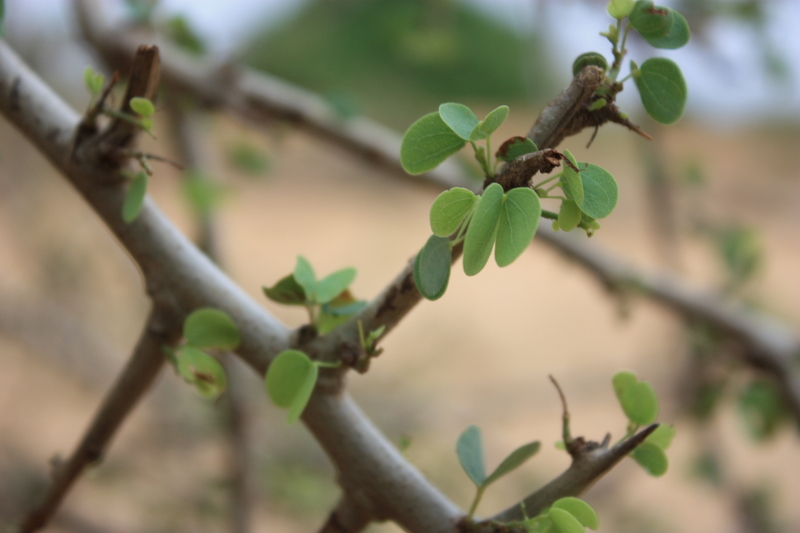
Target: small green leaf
pixel 134 197
pixel 539 524
pixel 427 143
pixel 334 284
pixel 662 89
pixel 569 216
pixel 571 181
pixel 580 510
pixel 211 328
pixel 459 118
pixel 564 522
pixel 94 81
pixel 290 380
pixel 513 461
pixel 650 20
pixel 142 106
pixel 662 436
pixel 304 275
pixel 637 398
pixel 432 268
pixel 677 36
pixel 600 191
pixel 482 230
pixel 519 218
pixel 619 9
pixel 286 291
pixel 449 210
pixel 202 371
pixel 469 449
pixel 489 125
pixel 338 311
pixel 515 147
pixel 589 58
pixel 652 458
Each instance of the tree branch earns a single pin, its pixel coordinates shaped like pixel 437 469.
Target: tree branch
pixel 139 373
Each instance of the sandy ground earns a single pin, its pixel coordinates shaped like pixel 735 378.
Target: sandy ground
pixel 71 304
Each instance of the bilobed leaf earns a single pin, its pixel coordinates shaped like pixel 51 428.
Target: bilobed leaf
pixel 211 328
pixel 482 230
pixel 449 209
pixel 519 218
pixel 637 398
pixel 652 458
pixel 650 20
pixel 600 191
pixel 569 216
pixel 571 181
pixel 427 143
pixel 662 89
pixel 469 449
pixel 662 436
pixel 513 461
pixel 142 106
pixel 515 147
pixel 489 125
pixel 581 510
pixel 286 291
pixel 459 118
pixel 432 268
pixel 134 197
pixel 564 522
pixel 677 36
pixel 304 275
pixel 290 381
pixel 334 284
pixel 202 371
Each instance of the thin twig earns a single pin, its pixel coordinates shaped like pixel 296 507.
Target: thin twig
pixel 139 373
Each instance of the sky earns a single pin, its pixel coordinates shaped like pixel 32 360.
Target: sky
pixel 725 74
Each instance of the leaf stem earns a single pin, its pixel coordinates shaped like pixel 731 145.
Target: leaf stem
pixel 549 214
pixel 476 501
pixel 548 180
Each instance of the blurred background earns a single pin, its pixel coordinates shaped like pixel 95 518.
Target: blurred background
pixel 714 198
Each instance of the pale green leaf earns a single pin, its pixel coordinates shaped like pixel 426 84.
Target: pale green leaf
pixel 202 371
pixel 449 209
pixel 569 216
pixel 334 284
pixel 662 89
pixel 211 328
pixel 513 461
pixel 432 268
pixel 662 436
pixel 637 398
pixel 427 143
pixel 652 458
pixel 489 125
pixel 286 291
pixel 600 191
pixel 571 181
pixel 469 449
pixel 290 381
pixel 564 522
pixel 459 118
pixel 482 230
pixel 581 510
pixel 304 275
pixel 142 106
pixel 519 218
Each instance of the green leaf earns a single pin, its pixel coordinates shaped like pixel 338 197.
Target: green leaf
pixel 515 147
pixel 211 328
pixel 202 192
pixel 581 510
pixel 569 216
pixel 94 81
pixel 619 9
pixel 519 218
pixel 304 275
pixel 600 191
pixel 489 125
pixel 761 409
pixel 338 311
pixel 652 458
pixel 290 381
pixel 564 522
pixel 202 371
pixel 662 436
pixel 483 230
pixel 662 89
pixel 432 268
pixel 651 21
pixel 571 181
pixel 286 291
pixel 427 143
pixel 469 449
pixel 134 197
pixel 459 118
pixel 637 398
pixel 449 210
pixel 589 58
pixel 677 36
pixel 513 461
pixel 142 106
pixel 334 284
